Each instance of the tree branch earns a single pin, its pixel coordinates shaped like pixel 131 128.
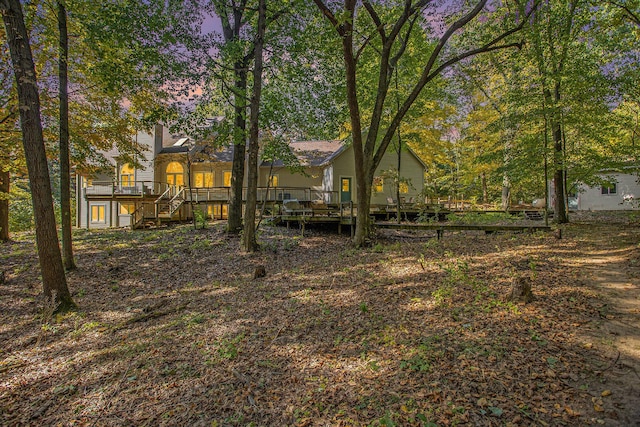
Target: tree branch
pixel 330 16
pixel 376 20
pixel 635 18
pixel 428 74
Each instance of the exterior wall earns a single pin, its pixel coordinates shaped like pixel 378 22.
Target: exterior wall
pixel 286 178
pixel 591 198
pixel 344 167
pixel 218 169
pixel 411 169
pixel 83 207
pixel 146 172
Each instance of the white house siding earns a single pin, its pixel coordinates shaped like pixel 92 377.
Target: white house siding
pixel 591 198
pixel 327 178
pixel 110 214
pixel 83 206
pixel 146 172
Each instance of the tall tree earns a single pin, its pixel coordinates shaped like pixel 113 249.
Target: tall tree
pixel 53 275
pixel 249 242
pixel 65 168
pixel 239 53
pixel 11 159
pixel 391 31
pixel 4 205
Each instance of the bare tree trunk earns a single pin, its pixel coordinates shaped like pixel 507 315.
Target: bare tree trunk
pixel 506 192
pixel 4 205
pixel 53 275
pixel 65 169
pixel 483 180
pixel 363 221
pixel 249 242
pixel 266 194
pixel 398 203
pixel 234 222
pixel 232 20
pixel 560 211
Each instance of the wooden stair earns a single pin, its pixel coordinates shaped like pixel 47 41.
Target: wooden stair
pixel 167 206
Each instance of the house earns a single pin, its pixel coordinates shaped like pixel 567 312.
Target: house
pixel 621 193
pixel 329 172
pixel 157 189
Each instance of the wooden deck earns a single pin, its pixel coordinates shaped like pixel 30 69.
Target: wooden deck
pixel 346 215
pixel 312 207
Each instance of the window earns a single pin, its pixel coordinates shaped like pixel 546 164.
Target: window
pixel 217 211
pixel 609 189
pixel 378 184
pixel 404 187
pixel 273 181
pixel 203 179
pixel 226 179
pixel 175 174
pixel 97 213
pixel 127 208
pixel 127 176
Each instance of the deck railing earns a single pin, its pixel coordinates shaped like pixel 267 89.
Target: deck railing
pixel 119 188
pixel 208 194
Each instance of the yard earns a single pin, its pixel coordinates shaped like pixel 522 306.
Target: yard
pixel 173 329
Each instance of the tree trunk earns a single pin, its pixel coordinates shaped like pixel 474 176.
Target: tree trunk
pixel 363 221
pixel 560 211
pixel 249 242
pixel 53 275
pixel 483 180
pixel 234 222
pixel 398 202
pixel 4 205
pixel 506 192
pixel 65 169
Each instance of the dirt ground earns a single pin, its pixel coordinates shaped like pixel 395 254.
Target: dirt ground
pixel 173 329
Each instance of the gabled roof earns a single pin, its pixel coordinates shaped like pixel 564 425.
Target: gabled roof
pixel 205 152
pixel 218 154
pixel 316 153
pixel 312 153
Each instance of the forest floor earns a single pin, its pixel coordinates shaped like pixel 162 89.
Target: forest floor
pixel 173 329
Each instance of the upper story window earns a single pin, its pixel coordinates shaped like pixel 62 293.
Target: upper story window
pixel 226 179
pixel 127 176
pixel 609 189
pixel 273 181
pixel 175 174
pixel 203 179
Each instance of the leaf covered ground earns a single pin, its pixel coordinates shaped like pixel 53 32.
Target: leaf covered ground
pixel 173 329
